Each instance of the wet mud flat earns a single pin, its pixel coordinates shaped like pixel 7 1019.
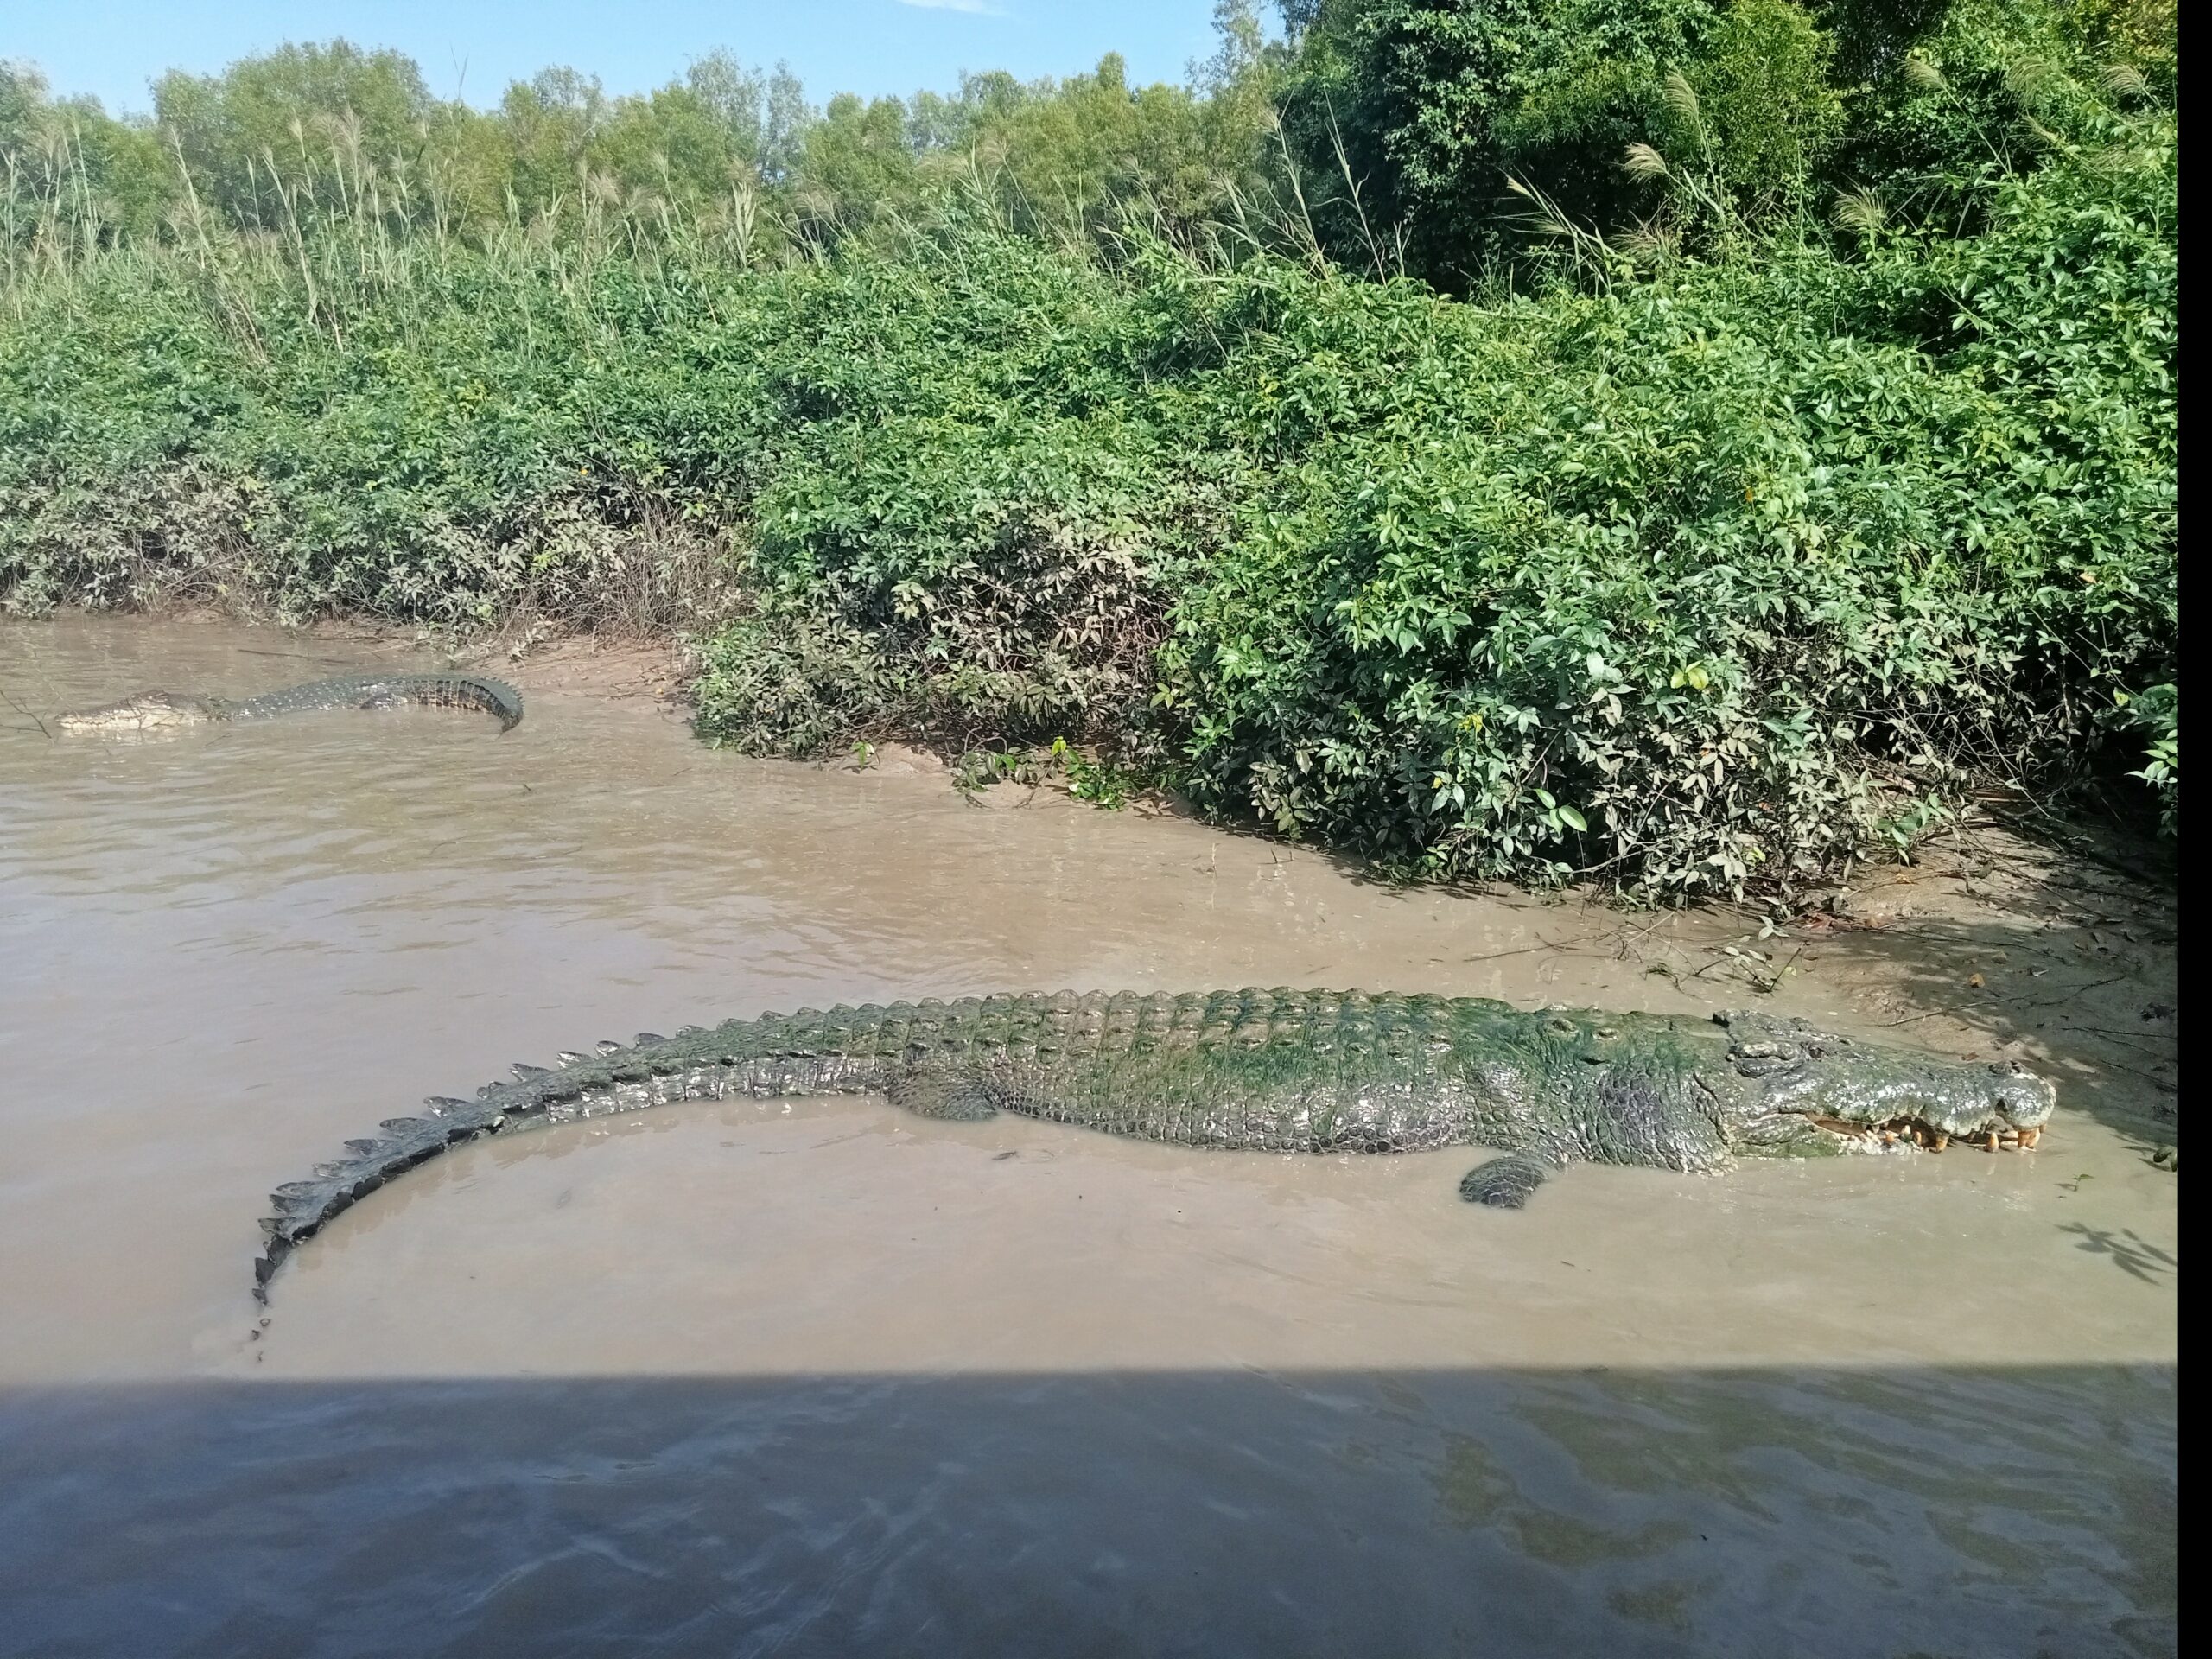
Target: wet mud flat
pixel 821 1378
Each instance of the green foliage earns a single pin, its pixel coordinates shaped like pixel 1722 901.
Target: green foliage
pixel 2144 35
pixel 282 115
pixel 2156 713
pixel 1079 159
pixel 1769 116
pixel 1432 106
pixel 1941 97
pixel 76 181
pixel 1713 570
pixel 1443 120
pixel 331 134
pixel 1719 560
pixel 1102 783
pixel 405 445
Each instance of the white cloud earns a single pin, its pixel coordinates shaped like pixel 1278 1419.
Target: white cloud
pixel 975 8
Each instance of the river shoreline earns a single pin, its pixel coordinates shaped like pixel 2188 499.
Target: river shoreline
pixel 1002 1370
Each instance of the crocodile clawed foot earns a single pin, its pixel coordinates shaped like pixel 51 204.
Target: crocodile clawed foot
pixel 1504 1183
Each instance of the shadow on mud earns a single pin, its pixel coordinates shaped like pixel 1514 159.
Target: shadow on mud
pixel 1831 1511
pixel 2132 1253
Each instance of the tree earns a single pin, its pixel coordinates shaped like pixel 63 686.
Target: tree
pixel 854 168
pixel 309 118
pixel 74 174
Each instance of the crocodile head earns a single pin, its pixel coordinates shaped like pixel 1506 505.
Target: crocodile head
pixel 1811 1090
pixel 149 711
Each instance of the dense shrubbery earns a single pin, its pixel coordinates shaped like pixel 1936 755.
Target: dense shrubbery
pixel 1684 569
pixel 1718 562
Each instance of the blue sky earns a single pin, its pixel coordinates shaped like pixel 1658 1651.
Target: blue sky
pixel 112 49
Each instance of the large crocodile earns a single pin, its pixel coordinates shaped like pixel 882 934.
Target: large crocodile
pixel 154 711
pixel 1278 1071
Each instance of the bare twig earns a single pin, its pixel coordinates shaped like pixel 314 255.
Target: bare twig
pixel 26 714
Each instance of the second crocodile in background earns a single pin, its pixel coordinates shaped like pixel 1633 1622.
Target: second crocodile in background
pixel 156 711
pixel 1281 1070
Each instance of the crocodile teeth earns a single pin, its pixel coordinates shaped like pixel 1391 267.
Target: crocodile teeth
pixel 570 1057
pixel 605 1046
pixel 648 1039
pixel 525 1073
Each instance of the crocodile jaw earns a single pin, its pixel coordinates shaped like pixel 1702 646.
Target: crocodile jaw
pixel 150 711
pixel 2005 1110
pixel 1827 1092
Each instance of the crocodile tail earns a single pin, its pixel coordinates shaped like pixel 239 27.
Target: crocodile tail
pixel 302 1209
pixel 776 1055
pixel 494 697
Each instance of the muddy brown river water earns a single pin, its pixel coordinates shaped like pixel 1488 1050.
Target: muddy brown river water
pixel 822 1379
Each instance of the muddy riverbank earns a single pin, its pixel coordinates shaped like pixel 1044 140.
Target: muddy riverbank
pixel 820 1377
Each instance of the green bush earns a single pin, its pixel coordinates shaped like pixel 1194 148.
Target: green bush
pixel 1694 562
